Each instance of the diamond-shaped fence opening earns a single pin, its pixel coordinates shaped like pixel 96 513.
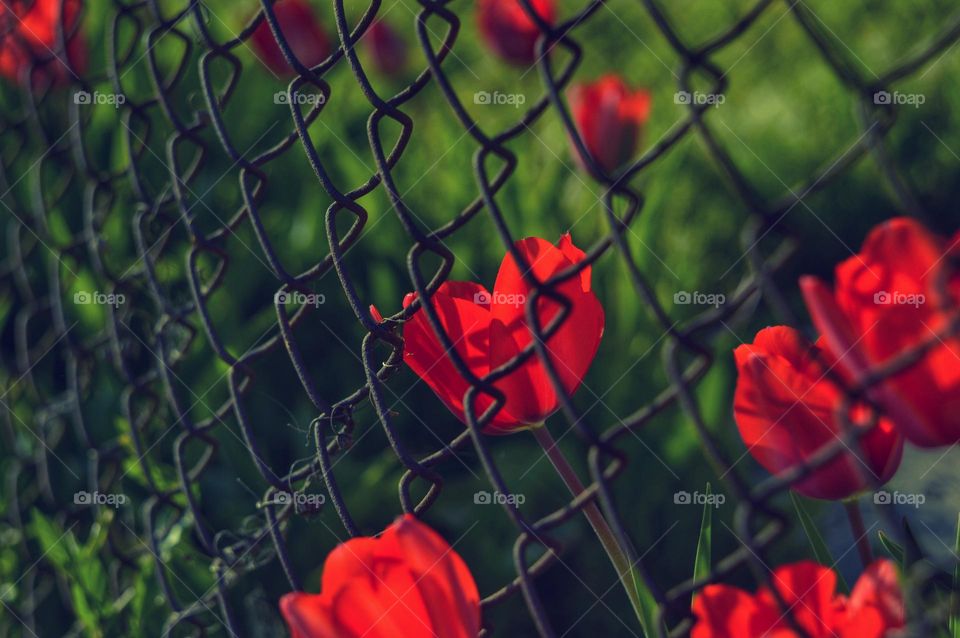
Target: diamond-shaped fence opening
pixel 192 240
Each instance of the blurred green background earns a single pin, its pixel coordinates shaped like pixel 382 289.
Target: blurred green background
pixel 786 116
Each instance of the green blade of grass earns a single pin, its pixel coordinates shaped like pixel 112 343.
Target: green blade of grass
pixel 701 564
pixel 892 547
pixel 955 594
pixel 817 544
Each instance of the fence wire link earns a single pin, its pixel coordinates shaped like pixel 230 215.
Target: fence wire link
pixel 181 135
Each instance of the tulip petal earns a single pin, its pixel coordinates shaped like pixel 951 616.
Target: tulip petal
pixel 307 615
pixel 879 587
pixel 851 347
pixel 725 612
pixel 443 578
pixel 785 408
pixel 530 394
pixel 467 324
pixel 385 604
pixel 808 589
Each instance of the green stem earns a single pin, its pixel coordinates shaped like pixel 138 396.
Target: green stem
pixel 859 531
pixel 599 524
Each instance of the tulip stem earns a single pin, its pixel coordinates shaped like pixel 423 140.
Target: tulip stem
pixel 859 531
pixel 599 524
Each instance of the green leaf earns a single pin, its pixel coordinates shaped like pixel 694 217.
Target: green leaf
pixel 701 564
pixel 955 594
pixel 51 537
pixel 647 613
pixel 892 547
pixel 819 547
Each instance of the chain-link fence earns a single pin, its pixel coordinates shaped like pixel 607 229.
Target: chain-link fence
pixel 109 394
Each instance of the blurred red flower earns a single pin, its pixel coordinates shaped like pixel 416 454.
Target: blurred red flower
pixel 387 49
pixel 899 292
pixel 509 31
pixel 303 32
pixel 610 118
pixel 406 582
pixel 875 605
pixel 786 410
pixel 488 329
pixel 29 36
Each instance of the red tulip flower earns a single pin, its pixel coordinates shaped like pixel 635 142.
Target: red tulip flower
pixel 873 610
pixel 786 410
pixel 509 31
pixel 302 31
pixel 899 293
pixel 610 118
pixel 387 49
pixel 489 329
pixel 406 582
pixel 29 36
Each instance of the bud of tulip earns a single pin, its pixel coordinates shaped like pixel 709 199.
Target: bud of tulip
pixel 610 118
pixel 303 34
pixel 509 31
pixel 387 49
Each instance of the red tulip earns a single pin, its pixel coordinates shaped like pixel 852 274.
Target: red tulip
pixel 874 608
pixel 387 49
pixel 406 582
pixel 488 330
pixel 509 31
pixel 302 31
pixel 28 36
pixel 609 117
pixel 786 410
pixel 886 302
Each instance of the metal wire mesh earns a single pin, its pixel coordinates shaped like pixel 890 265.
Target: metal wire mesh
pixel 172 130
